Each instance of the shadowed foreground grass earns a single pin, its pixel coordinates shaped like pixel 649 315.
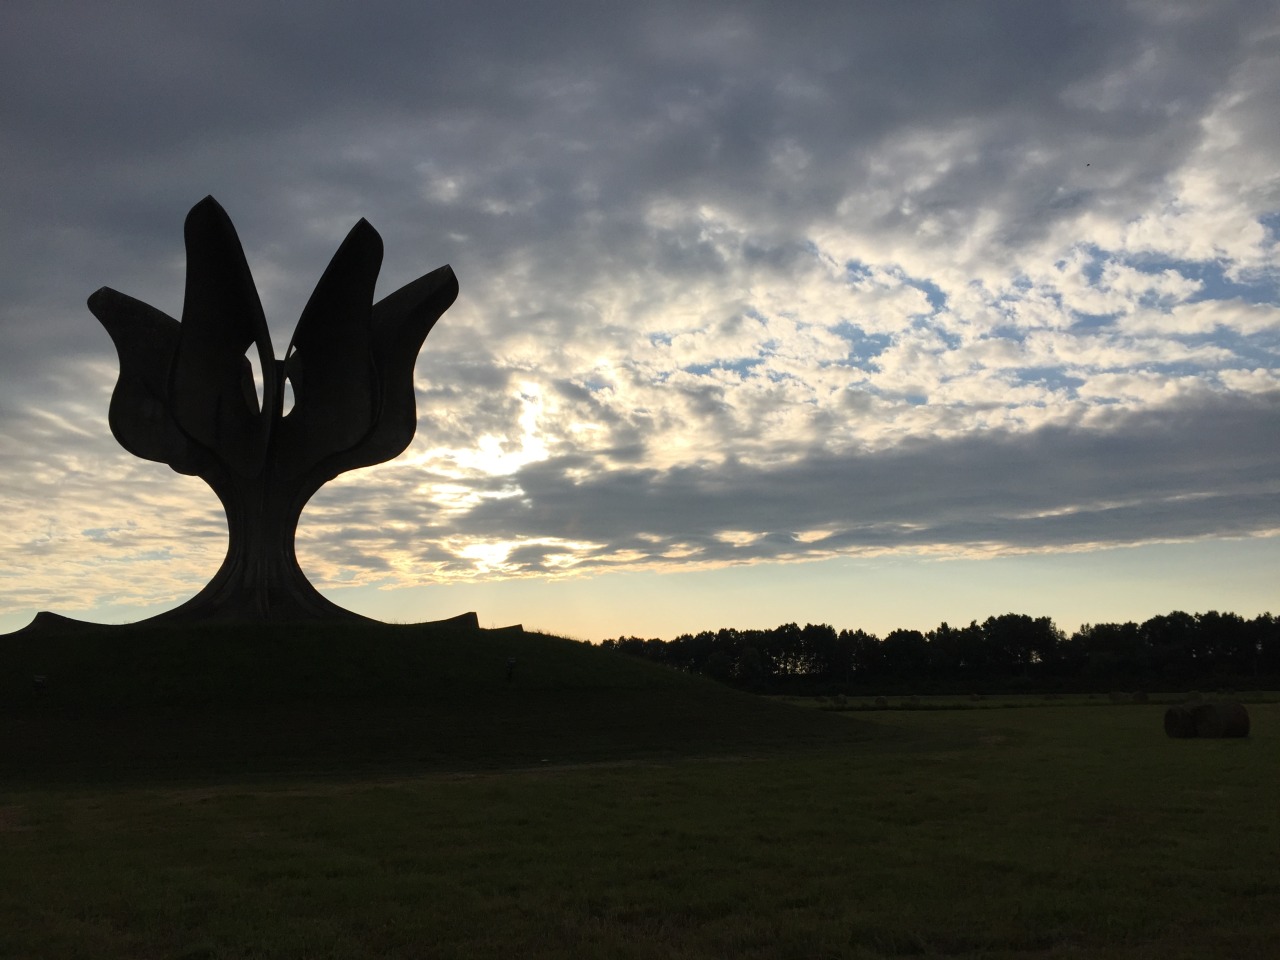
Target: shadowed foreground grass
pixel 210 704
pixel 1052 832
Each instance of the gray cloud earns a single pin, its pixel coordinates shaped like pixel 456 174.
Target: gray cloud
pixel 1177 473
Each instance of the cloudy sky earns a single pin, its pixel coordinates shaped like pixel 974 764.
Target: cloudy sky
pixel 878 314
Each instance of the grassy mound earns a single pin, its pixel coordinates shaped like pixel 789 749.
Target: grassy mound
pixel 216 702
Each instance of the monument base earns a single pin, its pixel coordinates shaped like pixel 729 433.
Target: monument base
pixel 46 623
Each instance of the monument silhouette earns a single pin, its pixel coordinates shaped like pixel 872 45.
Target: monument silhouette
pixel 186 396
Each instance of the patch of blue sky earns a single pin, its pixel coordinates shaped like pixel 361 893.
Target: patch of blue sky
pixel 856 271
pixel 743 366
pixel 1051 378
pixel 1271 223
pixel 1252 350
pixel 863 346
pixel 1093 267
pixel 1008 332
pixel 933 293
pixel 158 554
pixel 952 339
pixel 659 339
pixel 1214 282
pixel 1175 368
pixel 778 376
pixel 1007 303
pixel 868 367
pixel 1087 322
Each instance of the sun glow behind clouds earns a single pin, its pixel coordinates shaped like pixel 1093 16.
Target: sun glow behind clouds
pixel 495 455
pixel 493 556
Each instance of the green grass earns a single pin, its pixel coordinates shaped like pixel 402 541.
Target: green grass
pixel 212 704
pixel 1008 701
pixel 1040 833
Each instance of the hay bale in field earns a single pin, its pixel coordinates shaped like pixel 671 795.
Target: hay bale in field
pixel 1221 720
pixel 882 702
pixel 1206 720
pixel 1179 723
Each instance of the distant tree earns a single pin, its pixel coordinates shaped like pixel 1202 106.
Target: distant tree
pixel 973 645
pixel 1017 644
pixel 1109 654
pixel 1265 632
pixel 1225 642
pixel 1174 645
pixel 1011 650
pixel 946 660
pixel 719 665
pixel 818 651
pixel 906 654
pixel 752 672
pixel 785 649
pixel 865 654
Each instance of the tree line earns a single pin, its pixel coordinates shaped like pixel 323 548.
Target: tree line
pixel 1008 653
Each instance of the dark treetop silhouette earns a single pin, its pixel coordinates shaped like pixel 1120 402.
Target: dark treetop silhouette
pixel 186 397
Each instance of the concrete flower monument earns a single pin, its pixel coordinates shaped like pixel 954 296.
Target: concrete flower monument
pixel 186 396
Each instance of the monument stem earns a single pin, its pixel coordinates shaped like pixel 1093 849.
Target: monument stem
pixel 260 578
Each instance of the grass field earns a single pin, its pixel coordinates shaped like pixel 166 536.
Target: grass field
pixel 766 830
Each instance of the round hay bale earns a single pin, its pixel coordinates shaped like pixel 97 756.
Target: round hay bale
pixel 882 702
pixel 1179 723
pixel 1221 720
